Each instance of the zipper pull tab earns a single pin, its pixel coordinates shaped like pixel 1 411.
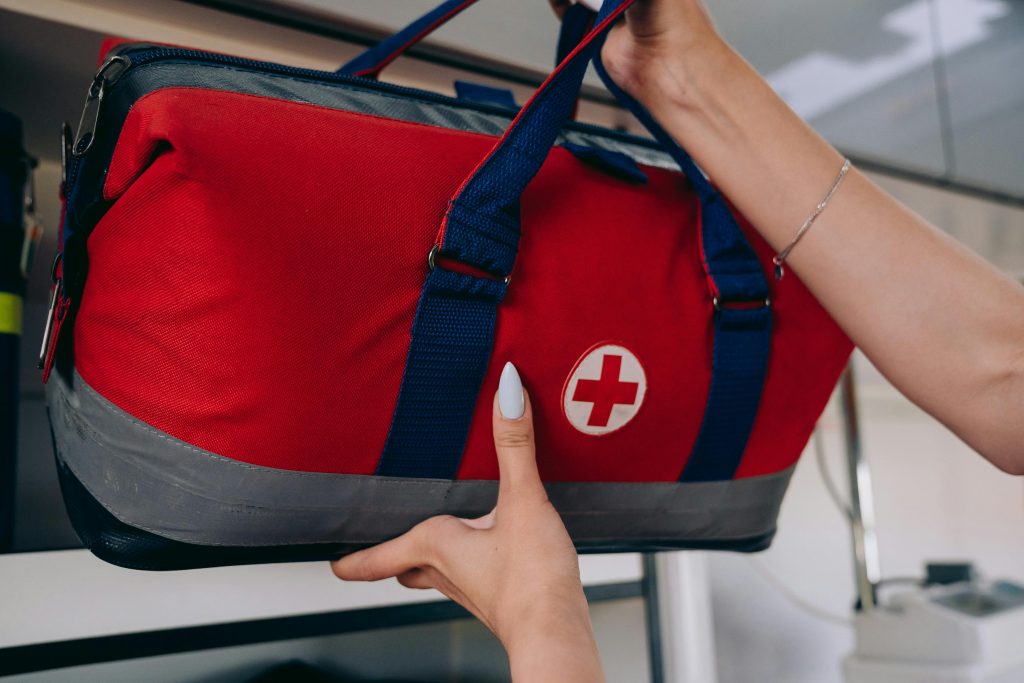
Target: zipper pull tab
pixel 66 145
pixel 55 279
pixel 107 75
pixel 58 311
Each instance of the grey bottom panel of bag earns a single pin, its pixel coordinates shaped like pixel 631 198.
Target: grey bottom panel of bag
pixel 142 499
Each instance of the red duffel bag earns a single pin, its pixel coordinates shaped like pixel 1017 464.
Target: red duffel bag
pixel 285 298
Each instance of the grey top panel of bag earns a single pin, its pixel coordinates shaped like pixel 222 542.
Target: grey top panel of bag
pixel 150 480
pixel 146 78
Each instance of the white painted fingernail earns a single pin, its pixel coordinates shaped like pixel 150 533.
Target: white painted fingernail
pixel 510 393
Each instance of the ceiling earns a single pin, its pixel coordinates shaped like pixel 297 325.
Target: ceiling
pixel 933 86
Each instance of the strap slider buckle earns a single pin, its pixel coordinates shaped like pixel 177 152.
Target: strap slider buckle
pixel 460 267
pixel 741 304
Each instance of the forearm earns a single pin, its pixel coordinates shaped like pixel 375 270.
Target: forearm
pixel 555 644
pixel 945 327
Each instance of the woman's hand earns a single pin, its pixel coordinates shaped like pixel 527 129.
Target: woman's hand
pixel 515 568
pixel 650 53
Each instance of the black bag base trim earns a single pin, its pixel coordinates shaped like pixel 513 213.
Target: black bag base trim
pixel 113 541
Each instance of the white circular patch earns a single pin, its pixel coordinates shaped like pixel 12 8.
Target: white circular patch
pixel 605 390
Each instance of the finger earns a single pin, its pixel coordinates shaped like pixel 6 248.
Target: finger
pixel 415 548
pixel 513 438
pixel 392 558
pixel 415 578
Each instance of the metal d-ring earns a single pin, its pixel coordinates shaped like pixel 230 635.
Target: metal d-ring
pixel 432 262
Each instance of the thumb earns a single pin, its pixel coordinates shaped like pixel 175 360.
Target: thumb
pixel 513 438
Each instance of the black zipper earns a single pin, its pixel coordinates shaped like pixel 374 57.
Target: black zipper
pixel 139 55
pixel 126 57
pixel 129 56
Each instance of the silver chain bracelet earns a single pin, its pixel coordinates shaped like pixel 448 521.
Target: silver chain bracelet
pixel 781 257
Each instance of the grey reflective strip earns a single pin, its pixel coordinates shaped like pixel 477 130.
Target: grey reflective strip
pixel 155 482
pixel 148 77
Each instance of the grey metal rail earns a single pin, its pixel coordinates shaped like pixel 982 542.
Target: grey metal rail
pixel 867 569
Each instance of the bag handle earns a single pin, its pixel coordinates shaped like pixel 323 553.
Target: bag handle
pixel 453 331
pixel 372 61
pixel 576 21
pixel 742 316
pixel 481 226
pixel 742 313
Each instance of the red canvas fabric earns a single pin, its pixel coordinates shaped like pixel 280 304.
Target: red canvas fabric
pixel 252 288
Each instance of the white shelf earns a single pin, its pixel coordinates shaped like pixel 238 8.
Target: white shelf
pixel 70 594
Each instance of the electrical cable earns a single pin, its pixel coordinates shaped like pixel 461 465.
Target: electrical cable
pixel 844 508
pixel 826 476
pixel 796 600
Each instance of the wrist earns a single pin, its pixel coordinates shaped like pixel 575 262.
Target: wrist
pixel 685 82
pixel 548 623
pixel 555 645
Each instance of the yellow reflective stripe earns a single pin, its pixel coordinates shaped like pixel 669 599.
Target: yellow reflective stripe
pixel 10 313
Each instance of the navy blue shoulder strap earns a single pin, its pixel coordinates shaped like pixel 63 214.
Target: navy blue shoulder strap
pixel 576 21
pixel 370 62
pixel 453 331
pixel 742 315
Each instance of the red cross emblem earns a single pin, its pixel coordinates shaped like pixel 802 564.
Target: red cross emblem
pixel 605 389
pixel 605 392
